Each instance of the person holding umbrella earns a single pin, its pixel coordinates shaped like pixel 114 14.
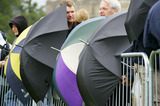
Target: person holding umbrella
pixel 109 7
pixel 18 24
pixel 70 14
pixel 134 25
pixel 151 43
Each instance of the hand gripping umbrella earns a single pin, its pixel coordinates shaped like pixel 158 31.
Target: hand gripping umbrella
pixel 12 69
pixel 99 69
pixel 64 75
pixel 37 57
pixel 136 17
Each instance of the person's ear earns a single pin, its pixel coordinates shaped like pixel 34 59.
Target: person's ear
pixel 114 10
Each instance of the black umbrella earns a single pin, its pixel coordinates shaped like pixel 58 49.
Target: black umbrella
pixel 136 17
pixel 99 68
pixel 37 57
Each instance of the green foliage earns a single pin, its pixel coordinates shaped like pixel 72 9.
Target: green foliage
pixel 11 8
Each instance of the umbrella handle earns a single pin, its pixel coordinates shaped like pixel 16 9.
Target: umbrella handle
pixel 55 49
pixel 84 42
pixel 127 65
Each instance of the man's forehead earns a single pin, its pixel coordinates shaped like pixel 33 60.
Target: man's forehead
pixel 104 3
pixel 70 8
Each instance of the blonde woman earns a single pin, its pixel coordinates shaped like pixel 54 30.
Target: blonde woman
pixel 81 15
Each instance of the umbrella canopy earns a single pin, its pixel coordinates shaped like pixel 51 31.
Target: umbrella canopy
pixel 136 17
pixel 12 69
pixel 2 42
pixel 99 69
pixel 64 76
pixel 37 57
pixel 4 46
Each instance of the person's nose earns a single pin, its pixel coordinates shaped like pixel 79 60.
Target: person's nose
pixel 101 11
pixel 13 28
pixel 70 14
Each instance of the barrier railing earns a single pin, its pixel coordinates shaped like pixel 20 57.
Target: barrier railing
pixel 154 78
pixel 135 87
pixel 127 93
pixel 133 90
pixel 12 100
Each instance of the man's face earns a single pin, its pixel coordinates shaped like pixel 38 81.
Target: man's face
pixel 105 9
pixel 70 14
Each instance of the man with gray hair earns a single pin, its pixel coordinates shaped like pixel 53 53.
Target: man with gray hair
pixel 109 7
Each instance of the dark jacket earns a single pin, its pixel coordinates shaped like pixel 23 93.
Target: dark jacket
pixel 152 32
pixel 137 47
pixel 152 29
pixel 20 22
pixel 73 26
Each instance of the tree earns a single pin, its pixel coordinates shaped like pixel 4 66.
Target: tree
pixel 32 12
pixel 10 8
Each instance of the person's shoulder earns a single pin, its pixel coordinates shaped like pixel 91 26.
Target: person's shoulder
pixel 74 25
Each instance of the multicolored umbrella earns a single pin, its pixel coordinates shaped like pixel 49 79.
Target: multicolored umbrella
pixel 64 76
pixel 12 69
pixel 99 69
pixel 37 57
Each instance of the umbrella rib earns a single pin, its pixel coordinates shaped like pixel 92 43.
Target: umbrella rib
pixel 55 49
pixel 127 65
pixel 84 42
pixel 19 45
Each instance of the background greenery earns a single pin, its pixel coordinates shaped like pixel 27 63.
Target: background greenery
pixel 11 8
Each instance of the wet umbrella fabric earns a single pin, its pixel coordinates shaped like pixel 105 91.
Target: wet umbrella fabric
pixel 99 69
pixel 2 42
pixel 12 69
pixel 64 76
pixel 4 46
pixel 136 17
pixel 37 57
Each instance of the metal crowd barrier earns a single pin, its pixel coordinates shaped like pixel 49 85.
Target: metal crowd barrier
pixel 154 88
pixel 125 94
pixel 12 100
pixel 137 92
pixel 129 93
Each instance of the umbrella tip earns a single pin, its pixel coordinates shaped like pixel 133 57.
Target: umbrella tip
pixel 55 49
pixel 84 42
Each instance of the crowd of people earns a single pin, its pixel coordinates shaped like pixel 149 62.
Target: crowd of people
pixel 148 40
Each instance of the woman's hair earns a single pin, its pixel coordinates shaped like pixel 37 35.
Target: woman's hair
pixel 82 15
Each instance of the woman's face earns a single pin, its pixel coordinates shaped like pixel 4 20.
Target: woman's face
pixel 15 30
